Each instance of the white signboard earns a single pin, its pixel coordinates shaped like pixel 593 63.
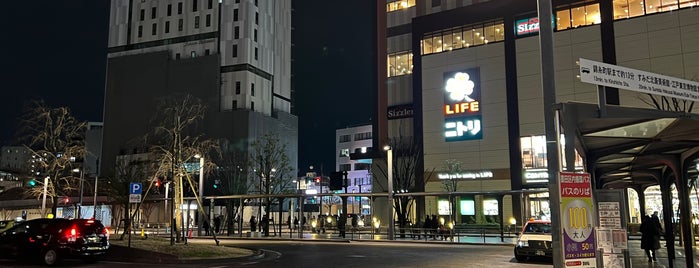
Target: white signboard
pixel 610 75
pixel 609 215
pixel 134 198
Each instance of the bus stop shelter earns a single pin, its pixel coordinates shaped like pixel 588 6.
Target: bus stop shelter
pixel 638 148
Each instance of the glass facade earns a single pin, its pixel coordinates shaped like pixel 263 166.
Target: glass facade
pixel 463 37
pixel 398 5
pixel 624 9
pixel 577 16
pixel 400 63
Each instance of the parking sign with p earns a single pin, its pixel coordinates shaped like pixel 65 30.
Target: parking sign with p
pixel 135 188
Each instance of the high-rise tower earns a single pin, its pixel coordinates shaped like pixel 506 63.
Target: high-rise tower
pixel 234 55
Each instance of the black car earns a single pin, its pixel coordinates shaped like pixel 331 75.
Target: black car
pixel 53 239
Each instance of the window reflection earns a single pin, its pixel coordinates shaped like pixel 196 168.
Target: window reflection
pixel 562 20
pixel 462 37
pixel 398 5
pixel 457 39
pixel 624 9
pixel 577 16
pixel 400 63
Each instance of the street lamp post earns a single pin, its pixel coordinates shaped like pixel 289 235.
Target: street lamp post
pixel 389 160
pixel 94 201
pixel 200 198
pixel 80 199
pixel 43 202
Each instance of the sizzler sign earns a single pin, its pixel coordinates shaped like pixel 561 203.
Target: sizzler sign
pixel 530 26
pixel 527 26
pixel 462 109
pixel 400 111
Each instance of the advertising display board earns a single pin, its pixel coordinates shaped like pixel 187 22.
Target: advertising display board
pixel 577 218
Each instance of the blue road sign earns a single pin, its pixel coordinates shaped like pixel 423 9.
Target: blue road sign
pixel 135 188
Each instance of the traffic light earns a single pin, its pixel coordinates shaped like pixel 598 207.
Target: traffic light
pixel 317 179
pixel 216 184
pixel 32 183
pixel 157 182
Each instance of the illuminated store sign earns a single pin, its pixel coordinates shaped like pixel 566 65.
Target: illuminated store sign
pixel 462 111
pixel 529 26
pixel 400 111
pixel 536 176
pixel 466 175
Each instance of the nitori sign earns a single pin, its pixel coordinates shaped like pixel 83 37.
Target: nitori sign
pixel 462 110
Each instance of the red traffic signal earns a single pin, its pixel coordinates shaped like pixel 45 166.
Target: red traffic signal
pixel 317 179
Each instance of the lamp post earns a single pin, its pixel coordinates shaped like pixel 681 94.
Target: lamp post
pixel 80 199
pixel 43 202
pixel 389 160
pixel 200 198
pixel 94 201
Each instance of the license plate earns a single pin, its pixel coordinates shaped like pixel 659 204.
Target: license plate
pixel 540 253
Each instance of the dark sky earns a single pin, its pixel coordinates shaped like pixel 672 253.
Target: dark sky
pixel 56 51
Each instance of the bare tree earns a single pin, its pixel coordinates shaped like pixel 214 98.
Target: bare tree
pixel 669 104
pixel 5 214
pixel 269 163
pixel 664 103
pixel 451 166
pixel 232 175
pixel 176 142
pixel 56 140
pixel 128 169
pixel 406 153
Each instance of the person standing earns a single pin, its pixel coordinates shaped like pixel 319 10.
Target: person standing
pixel 342 224
pixel 206 227
pixel 321 221
pixel 253 224
pixel 217 224
pixel 650 236
pixel 426 226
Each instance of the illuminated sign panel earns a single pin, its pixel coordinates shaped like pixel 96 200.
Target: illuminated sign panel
pixel 400 111
pixel 530 25
pixel 466 175
pixel 462 108
pixel 527 26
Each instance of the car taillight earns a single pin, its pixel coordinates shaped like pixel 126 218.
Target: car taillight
pixel 105 231
pixel 71 234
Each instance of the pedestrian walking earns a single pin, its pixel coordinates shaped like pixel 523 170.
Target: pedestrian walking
pixel 650 235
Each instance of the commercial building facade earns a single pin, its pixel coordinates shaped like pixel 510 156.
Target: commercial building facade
pixel 358 171
pixel 463 79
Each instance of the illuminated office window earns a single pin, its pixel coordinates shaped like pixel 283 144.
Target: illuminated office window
pixel 398 5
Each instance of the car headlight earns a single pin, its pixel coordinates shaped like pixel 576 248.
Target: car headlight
pixel 522 243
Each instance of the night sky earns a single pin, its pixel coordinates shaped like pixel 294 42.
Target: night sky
pixel 56 51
